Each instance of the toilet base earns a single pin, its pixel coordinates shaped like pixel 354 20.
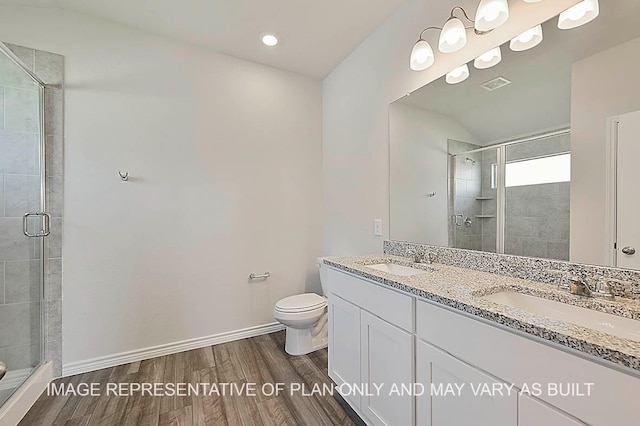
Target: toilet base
pixel 301 341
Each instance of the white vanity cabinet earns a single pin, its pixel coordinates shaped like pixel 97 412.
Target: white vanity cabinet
pixel 527 361
pixel 379 335
pixel 371 348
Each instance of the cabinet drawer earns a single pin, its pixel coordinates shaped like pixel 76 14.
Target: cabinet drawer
pixel 535 413
pixel 390 305
pixel 521 360
pixel 459 406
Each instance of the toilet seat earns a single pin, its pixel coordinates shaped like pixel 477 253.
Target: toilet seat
pixel 301 303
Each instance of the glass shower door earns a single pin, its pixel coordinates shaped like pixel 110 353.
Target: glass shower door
pixel 537 181
pixel 22 224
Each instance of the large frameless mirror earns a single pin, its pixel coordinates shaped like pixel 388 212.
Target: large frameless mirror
pixel 525 157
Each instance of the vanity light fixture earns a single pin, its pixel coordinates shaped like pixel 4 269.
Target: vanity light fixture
pixel 422 55
pixel 580 14
pixel 453 36
pixel 527 40
pixel 269 40
pixel 491 14
pixel 458 75
pixel 488 59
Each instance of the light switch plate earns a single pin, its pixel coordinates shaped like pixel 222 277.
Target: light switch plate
pixel 377 227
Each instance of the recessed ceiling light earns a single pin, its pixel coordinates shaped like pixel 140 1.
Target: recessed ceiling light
pixel 269 39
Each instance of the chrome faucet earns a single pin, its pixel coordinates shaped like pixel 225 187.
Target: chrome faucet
pixel 428 258
pixel 416 256
pixel 580 287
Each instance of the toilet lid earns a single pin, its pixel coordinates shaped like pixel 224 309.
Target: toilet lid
pixel 301 302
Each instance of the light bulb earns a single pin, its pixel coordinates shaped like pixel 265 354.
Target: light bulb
pixel 453 36
pixel 458 75
pixel 488 59
pixel 422 56
pixel 269 40
pixel 527 40
pixel 580 14
pixel 491 14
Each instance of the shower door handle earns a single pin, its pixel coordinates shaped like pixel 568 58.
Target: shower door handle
pixel 461 219
pixel 46 224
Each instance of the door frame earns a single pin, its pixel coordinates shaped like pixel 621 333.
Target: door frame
pixel 611 195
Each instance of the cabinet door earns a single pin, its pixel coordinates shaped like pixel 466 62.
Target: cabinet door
pixel 534 413
pixel 449 398
pixel 344 346
pixel 387 372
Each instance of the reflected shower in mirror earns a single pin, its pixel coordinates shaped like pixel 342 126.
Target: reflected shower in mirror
pixel 522 156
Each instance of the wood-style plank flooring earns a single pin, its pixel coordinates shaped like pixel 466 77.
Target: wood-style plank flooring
pixel 256 360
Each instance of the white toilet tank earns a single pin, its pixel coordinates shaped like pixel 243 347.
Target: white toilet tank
pixel 322 268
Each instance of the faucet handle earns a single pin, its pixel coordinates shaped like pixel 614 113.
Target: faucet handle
pixel 414 255
pixel 622 287
pixel 560 280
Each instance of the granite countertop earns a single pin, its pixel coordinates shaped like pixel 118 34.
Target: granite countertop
pixel 462 289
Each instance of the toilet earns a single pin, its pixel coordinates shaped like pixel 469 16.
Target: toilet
pixel 306 319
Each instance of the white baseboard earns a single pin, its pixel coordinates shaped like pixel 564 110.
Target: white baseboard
pixel 79 367
pixel 14 409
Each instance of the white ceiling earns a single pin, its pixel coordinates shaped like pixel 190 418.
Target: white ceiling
pixel 539 97
pixel 315 35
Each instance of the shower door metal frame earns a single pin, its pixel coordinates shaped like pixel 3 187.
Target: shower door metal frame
pixel 43 181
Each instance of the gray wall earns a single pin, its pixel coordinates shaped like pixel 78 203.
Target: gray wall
pixel 21 257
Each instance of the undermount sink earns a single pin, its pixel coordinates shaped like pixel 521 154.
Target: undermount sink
pixel 392 268
pixel 607 323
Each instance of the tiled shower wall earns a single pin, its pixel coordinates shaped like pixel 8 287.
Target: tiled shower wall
pixel 19 256
pixel 464 189
pixel 19 192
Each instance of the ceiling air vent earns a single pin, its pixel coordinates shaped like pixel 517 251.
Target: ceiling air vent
pixel 495 84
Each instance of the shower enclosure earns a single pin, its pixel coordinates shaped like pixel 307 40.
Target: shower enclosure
pixel 24 225
pixel 513 197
